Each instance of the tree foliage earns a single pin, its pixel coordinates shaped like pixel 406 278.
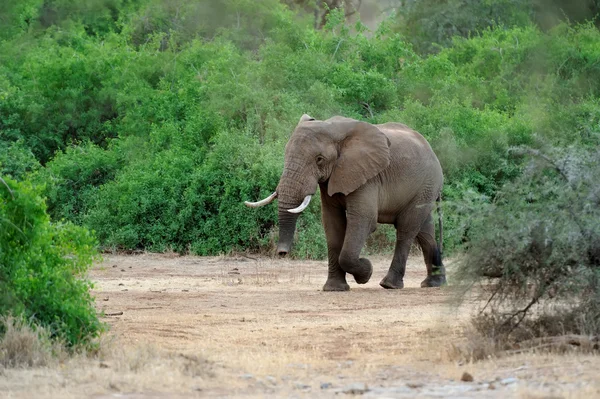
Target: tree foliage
pixel 432 24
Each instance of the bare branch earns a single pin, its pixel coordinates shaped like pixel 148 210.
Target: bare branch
pixel 8 188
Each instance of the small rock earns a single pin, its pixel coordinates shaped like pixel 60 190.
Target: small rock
pixel 185 290
pixel 301 386
pixel 300 366
pixel 466 377
pixel 271 379
pixel 125 289
pixel 358 388
pixel 130 268
pixel 414 385
pixel 104 365
pixel 114 265
pixel 346 364
pixel 509 380
pixel 326 385
pixel 491 386
pixel 122 270
pixel 246 376
pixel 105 299
pixel 121 284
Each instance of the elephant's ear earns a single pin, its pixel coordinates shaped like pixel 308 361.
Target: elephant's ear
pixel 364 153
pixel 305 118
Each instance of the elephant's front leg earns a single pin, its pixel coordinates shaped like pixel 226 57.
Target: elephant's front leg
pixel 334 223
pixel 358 228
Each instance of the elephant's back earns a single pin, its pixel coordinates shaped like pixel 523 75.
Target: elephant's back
pixel 406 144
pixel 415 172
pixel 403 136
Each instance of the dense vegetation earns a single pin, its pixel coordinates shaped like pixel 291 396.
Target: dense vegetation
pixel 150 121
pixel 431 24
pixel 42 264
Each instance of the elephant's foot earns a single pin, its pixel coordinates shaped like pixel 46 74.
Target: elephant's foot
pixel 336 285
pixel 366 271
pixel 434 281
pixel 336 279
pixel 392 281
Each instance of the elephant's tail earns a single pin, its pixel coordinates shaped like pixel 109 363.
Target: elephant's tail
pixel 441 236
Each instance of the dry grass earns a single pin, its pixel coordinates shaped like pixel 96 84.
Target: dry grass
pixel 116 368
pixel 21 346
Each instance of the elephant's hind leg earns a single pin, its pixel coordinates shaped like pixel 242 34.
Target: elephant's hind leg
pixel 394 278
pixel 436 274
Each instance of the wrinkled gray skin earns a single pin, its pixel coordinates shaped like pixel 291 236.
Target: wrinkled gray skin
pixel 367 174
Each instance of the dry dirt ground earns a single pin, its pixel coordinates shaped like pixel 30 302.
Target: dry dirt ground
pixel 242 327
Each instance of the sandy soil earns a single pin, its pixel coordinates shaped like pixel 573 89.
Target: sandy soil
pixel 245 327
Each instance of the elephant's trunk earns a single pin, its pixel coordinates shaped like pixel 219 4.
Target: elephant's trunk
pixel 292 189
pixel 287 227
pixel 296 184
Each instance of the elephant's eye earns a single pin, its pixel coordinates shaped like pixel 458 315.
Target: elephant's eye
pixel 320 160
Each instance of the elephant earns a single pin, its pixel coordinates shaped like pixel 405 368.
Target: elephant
pixel 367 174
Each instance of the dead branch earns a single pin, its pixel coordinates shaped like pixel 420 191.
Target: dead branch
pixel 584 342
pixel 368 108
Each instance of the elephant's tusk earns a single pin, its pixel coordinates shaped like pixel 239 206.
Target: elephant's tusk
pixel 302 206
pixel 260 203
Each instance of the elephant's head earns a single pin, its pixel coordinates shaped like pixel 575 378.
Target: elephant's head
pixel 342 152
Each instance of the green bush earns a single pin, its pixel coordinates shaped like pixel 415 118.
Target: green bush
pixel 73 178
pixel 187 201
pixel 42 267
pixel 17 160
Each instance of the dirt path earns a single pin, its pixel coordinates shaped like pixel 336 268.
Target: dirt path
pixel 223 327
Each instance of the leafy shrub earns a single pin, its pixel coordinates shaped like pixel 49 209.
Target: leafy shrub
pixel 41 267
pixel 189 201
pixel 309 239
pixel 140 208
pixel 17 160
pixel 541 239
pixel 73 178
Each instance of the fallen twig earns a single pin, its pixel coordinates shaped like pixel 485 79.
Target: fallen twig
pixel 113 314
